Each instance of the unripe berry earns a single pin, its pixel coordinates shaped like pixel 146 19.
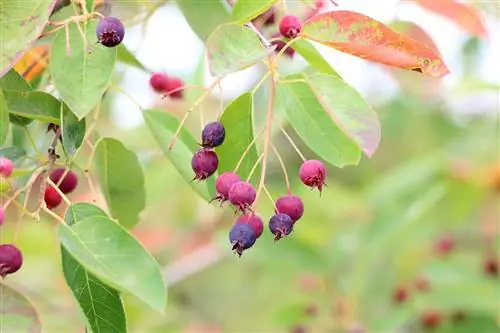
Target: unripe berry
pixel 242 237
pixel 444 245
pixel 4 184
pixel 159 82
pixel 242 194
pixel 213 135
pixel 313 173
pixel 68 184
pixel 290 26
pixel 11 259
pixel 254 221
pixel 223 185
pixel 400 295
pixel 2 215
pixel 290 205
pixel 6 167
pixel 431 319
pixel 280 225
pixel 110 31
pixel 173 87
pixel 52 197
pixel 204 164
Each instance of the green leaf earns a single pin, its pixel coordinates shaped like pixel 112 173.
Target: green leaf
pixel 89 5
pixel 21 22
pixel 307 50
pixel 35 105
pixel 204 16
pixel 121 180
pixel 163 126
pixel 237 119
pixel 101 304
pixel 82 77
pixel 232 47
pixel 15 154
pixel 110 253
pixel 128 58
pixel 17 314
pixel 72 129
pixel 314 124
pixel 4 119
pixel 13 81
pixel 246 10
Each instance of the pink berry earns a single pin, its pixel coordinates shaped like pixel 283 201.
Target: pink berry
pixel 11 259
pixel 290 26
pixel 223 185
pixel 159 82
pixel 242 194
pixel 444 245
pixel 431 319
pixel 313 173
pixel 254 221
pixel 290 205
pixel 68 184
pixel 6 167
pixel 204 164
pixel 52 197
pixel 173 88
pixel 400 295
pixel 2 215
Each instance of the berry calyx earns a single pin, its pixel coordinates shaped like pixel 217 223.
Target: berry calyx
pixel 313 174
pixel 2 215
pixel 254 221
pixel 204 164
pixel 11 259
pixel 491 267
pixel 69 182
pixel 213 135
pixel 444 245
pixel 242 194
pixel 159 82
pixel 290 205
pixel 290 26
pixel 174 85
pixel 110 31
pixel 6 167
pixel 280 225
pixel 52 197
pixel 431 319
pixel 223 185
pixel 242 237
pixel 400 294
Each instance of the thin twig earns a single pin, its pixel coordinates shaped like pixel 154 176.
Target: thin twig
pixel 254 167
pixel 245 153
pixel 291 141
pixel 283 167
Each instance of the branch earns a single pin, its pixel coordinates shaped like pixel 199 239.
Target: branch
pixel 60 4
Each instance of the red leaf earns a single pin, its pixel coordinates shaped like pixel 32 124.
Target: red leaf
pixel 367 38
pixel 465 16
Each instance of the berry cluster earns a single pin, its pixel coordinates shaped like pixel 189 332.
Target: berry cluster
pixel 66 185
pixel 164 84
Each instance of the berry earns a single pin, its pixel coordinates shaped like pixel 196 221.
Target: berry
pixel 52 197
pixel 2 215
pixel 254 221
pixel 159 82
pixel 223 184
pixel 6 167
pixel 242 237
pixel 313 173
pixel 400 295
pixel 173 88
pixel 4 184
pixel 444 245
pixel 290 205
pixel 204 164
pixel 110 31
pixel 280 225
pixel 422 284
pixel 242 194
pixel 213 135
pixel 431 319
pixel 68 184
pixel 290 26
pixel 11 259
pixel 280 45
pixel 491 267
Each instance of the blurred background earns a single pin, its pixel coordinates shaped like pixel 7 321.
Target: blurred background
pixel 407 236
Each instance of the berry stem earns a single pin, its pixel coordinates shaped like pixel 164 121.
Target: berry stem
pixel 269 196
pixel 58 190
pixel 254 167
pixel 247 150
pixel 30 183
pixel 285 173
pixel 51 213
pixel 184 87
pixel 280 53
pixel 127 95
pixel 262 38
pixel 264 78
pixel 291 141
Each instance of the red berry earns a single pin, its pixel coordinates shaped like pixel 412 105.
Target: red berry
pixel 422 284
pixel 223 185
pixel 491 266
pixel 110 31
pixel 400 295
pixel 173 88
pixel 290 26
pixel 280 225
pixel 68 184
pixel 11 259
pixel 290 205
pixel 159 82
pixel 204 164
pixel 2 215
pixel 431 319
pixel 242 194
pixel 52 197
pixel 313 173
pixel 254 221
pixel 444 245
pixel 6 167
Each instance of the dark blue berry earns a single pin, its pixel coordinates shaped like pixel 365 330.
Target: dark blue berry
pixel 213 135
pixel 204 164
pixel 110 31
pixel 242 237
pixel 280 225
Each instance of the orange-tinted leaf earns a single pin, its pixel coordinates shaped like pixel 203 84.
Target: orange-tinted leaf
pixel 415 32
pixel 367 38
pixel 463 15
pixel 33 63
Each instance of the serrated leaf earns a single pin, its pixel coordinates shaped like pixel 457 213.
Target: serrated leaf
pixel 21 22
pixel 13 81
pixel 246 10
pixel 204 16
pixel 163 126
pixel 34 105
pixel 367 38
pixel 17 314
pixel 101 304
pixel 128 58
pixel 121 179
pixel 110 253
pixel 72 130
pixel 232 47
pixel 237 119
pixel 82 77
pixel 4 119
pixel 313 57
pixel 314 124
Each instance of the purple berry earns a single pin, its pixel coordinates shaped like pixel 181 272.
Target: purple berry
pixel 280 225
pixel 110 31
pixel 290 205
pixel 242 237
pixel 6 167
pixel 68 184
pixel 290 26
pixel 213 135
pixel 11 259
pixel 2 215
pixel 313 174
pixel 204 164
pixel 254 221
pixel 242 194
pixel 223 184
